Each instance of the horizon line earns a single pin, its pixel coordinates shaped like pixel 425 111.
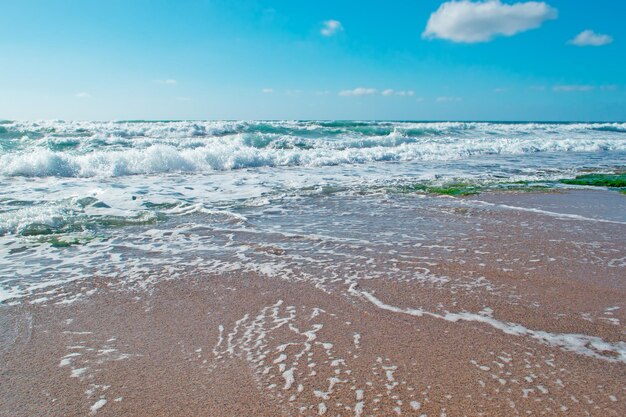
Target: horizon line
pixel 2 121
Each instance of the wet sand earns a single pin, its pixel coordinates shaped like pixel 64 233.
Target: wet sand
pixel 469 307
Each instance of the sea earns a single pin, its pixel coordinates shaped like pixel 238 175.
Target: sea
pixel 140 201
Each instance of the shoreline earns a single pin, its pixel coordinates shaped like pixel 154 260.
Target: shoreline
pixel 467 307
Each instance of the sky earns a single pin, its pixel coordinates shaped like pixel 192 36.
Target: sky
pixel 558 60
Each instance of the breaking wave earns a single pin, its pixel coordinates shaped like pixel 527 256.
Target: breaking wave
pixel 114 149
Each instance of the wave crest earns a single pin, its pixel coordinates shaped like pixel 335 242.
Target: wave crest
pixel 239 153
pixel 113 149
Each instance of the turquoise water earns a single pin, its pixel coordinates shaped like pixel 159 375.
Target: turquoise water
pixel 117 149
pixel 84 187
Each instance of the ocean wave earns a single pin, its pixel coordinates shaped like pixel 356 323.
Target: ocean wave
pixel 69 216
pixel 113 149
pixel 612 128
pixel 34 220
pixel 314 129
pixel 223 156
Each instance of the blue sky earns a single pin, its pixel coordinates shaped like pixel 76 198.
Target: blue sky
pixel 506 60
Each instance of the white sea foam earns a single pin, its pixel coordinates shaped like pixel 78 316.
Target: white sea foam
pixel 566 216
pixel 158 159
pixel 109 149
pixel 592 346
pixel 98 405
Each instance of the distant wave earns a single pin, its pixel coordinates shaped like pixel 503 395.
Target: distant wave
pixel 191 129
pixel 611 128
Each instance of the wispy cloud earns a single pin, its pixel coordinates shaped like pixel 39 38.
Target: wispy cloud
pixel 581 88
pixel 448 99
pixel 390 92
pixel 169 81
pixel 572 88
pixel 330 27
pixel 590 38
pixel 82 94
pixel 359 91
pixel 267 90
pixel 469 22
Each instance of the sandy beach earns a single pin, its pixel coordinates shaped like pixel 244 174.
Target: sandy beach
pixel 263 208
pixel 497 305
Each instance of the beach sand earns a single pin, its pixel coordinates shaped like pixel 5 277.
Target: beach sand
pixel 497 305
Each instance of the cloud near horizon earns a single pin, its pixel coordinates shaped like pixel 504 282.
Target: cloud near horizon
pixel 467 21
pixel 448 99
pixel 330 27
pixel 590 38
pixel 572 88
pixel 359 91
pixel 363 91
pixel 391 92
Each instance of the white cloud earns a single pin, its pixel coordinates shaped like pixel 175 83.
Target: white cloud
pixel 390 92
pixel 448 99
pixel 359 91
pixel 590 38
pixel 572 88
pixel 83 94
pixel 330 27
pixel 267 90
pixel 469 22
pixel 581 88
pixel 169 81
pixel 322 93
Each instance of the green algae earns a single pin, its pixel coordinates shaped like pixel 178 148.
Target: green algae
pixel 616 181
pixel 65 242
pixel 598 180
pixel 461 189
pixel 56 243
pixel 452 189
